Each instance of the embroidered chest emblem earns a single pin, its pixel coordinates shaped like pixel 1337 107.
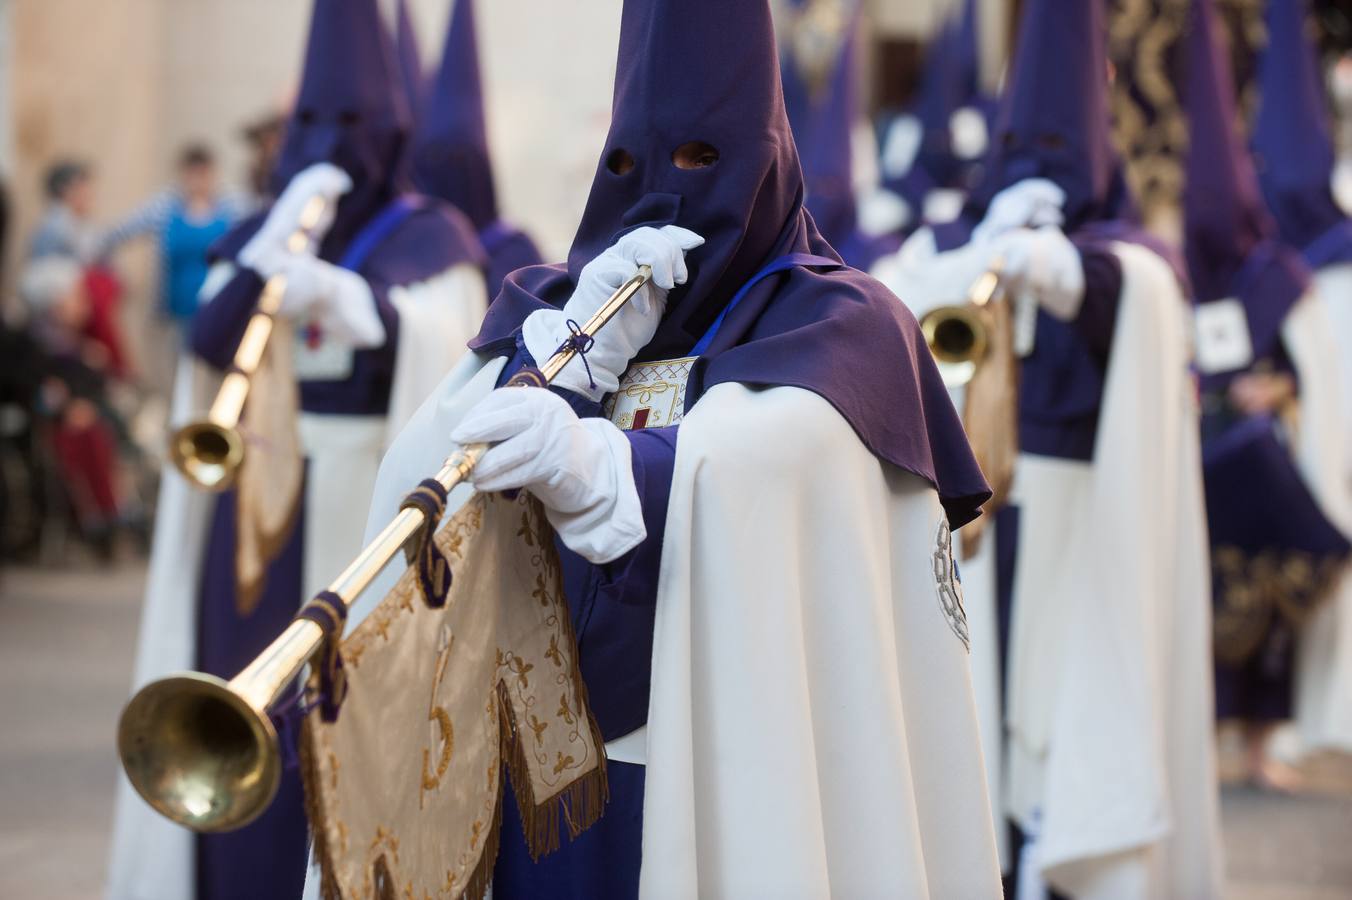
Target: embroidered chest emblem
pixel 949 587
pixel 650 395
pixel 315 358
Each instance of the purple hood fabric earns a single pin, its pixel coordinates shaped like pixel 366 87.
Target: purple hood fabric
pixel 707 71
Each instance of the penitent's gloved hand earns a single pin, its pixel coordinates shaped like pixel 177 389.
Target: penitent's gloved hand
pixel 338 300
pixel 544 331
pixel 580 469
pixel 1045 265
pixel 267 251
pixel 1031 203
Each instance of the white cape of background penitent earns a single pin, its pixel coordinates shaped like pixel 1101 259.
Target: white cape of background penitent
pixel 1129 799
pixel 152 859
pixel 1316 333
pixel 1139 807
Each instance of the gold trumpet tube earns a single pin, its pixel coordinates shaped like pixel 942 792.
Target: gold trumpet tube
pixel 958 336
pixel 203 751
pixel 209 451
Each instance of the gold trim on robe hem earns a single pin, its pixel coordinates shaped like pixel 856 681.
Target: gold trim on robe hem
pixel 1252 588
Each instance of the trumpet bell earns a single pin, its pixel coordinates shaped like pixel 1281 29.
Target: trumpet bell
pixel 957 337
pixel 207 454
pixel 198 753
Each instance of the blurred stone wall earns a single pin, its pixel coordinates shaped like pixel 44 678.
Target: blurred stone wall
pixel 85 81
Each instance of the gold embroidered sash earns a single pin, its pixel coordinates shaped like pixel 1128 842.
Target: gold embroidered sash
pixel 404 789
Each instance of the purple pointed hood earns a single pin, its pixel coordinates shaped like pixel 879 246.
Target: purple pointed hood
pixel 967 55
pixel 1229 237
pixel 1053 120
pixel 712 77
pixel 1292 145
pixel 351 110
pixel 450 152
pixel 707 71
pixel 1227 227
pixel 822 117
pixel 410 59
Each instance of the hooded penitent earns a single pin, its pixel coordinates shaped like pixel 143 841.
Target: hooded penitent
pixel 1053 123
pixel 1292 146
pixel 823 105
pixel 351 110
pixel 821 94
pixel 1229 235
pixel 1053 119
pixel 950 81
pixel 410 59
pixel 450 158
pixel 450 149
pixel 707 72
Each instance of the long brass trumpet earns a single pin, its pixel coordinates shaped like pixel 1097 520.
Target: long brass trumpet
pixel 203 751
pixel 209 451
pixel 958 336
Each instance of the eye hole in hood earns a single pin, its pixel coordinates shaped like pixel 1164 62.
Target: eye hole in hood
pixel 695 155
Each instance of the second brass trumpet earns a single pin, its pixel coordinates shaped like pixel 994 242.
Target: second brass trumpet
pixel 958 336
pixel 209 452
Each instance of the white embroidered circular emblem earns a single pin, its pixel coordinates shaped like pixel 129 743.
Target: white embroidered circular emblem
pixel 949 587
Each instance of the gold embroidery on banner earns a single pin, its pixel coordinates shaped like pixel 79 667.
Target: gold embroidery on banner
pixel 557 772
pixel 438 714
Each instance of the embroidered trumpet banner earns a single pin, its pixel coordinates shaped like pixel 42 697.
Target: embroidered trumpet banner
pixel 404 790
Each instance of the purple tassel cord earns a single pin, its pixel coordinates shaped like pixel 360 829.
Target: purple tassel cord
pixel 578 341
pixel 329 612
pixel 432 566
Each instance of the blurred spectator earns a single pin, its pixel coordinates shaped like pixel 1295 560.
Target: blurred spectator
pixel 66 228
pixel 185 220
pixel 71 397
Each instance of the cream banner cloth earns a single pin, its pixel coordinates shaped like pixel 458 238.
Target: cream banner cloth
pixel 405 787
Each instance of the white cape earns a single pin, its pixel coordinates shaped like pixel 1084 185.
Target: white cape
pixel 1318 334
pixel 1110 702
pixel 153 859
pixel 925 281
pixel 811 730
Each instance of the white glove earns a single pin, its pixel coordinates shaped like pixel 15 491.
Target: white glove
pixel 1043 263
pixel 580 469
pixel 267 250
pixel 339 300
pixel 1031 203
pixel 545 330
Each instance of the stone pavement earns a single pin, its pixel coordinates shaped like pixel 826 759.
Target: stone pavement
pixel 66 645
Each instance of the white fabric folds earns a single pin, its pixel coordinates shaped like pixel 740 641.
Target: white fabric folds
pixel 1127 773
pixel 1322 353
pixel 811 731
